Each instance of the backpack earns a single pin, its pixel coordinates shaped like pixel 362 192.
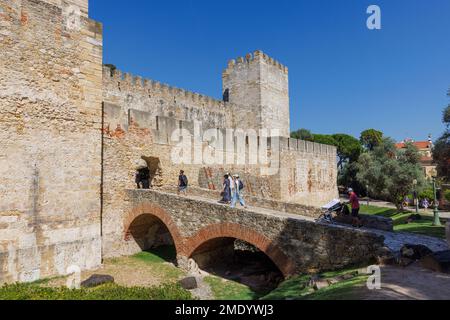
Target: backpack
pixel 184 179
pixel 241 185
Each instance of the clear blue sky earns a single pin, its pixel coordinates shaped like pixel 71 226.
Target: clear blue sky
pixel 343 77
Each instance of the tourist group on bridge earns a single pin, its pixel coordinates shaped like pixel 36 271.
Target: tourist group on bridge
pixel 232 190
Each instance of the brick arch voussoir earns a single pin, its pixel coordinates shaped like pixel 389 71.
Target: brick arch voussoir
pixel 161 214
pixel 230 230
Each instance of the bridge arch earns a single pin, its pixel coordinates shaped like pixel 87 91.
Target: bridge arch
pixel 230 230
pixel 144 215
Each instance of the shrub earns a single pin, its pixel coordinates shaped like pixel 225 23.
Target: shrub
pixel 427 193
pixel 447 195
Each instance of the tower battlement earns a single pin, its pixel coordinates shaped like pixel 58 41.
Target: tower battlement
pixel 250 58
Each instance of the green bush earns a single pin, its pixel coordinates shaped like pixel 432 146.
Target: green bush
pixel 447 195
pixel 427 193
pixel 105 292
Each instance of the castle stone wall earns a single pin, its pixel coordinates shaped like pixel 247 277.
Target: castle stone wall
pixel 308 172
pixel 50 133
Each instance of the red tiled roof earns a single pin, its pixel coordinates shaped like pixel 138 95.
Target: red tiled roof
pixel 418 144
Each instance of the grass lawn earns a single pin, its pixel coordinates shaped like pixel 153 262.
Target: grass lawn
pixel 423 226
pixel 144 276
pixel 296 288
pixel 35 291
pixel 229 290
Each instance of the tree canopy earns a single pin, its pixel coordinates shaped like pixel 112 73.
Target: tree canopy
pixel 348 148
pixel 324 139
pixel 390 172
pixel 441 150
pixel 371 138
pixel 302 134
pixel 446 116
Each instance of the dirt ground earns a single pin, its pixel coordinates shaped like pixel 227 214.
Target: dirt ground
pixel 409 283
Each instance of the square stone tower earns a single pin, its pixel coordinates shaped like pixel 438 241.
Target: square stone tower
pixel 258 86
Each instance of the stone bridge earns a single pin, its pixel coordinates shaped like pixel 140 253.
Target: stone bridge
pixel 205 231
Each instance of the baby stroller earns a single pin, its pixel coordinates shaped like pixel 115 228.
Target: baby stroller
pixel 336 207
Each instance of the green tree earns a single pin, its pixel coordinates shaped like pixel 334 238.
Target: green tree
pixel 324 139
pixel 348 149
pixel 302 134
pixel 389 172
pixel 371 138
pixel 446 116
pixel 441 150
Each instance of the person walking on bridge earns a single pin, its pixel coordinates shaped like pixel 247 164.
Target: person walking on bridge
pixel 237 192
pixel 226 193
pixel 182 183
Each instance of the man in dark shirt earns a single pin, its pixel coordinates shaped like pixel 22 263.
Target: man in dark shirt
pixel 182 183
pixel 354 201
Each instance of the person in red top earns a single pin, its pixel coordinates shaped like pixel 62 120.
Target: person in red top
pixel 354 201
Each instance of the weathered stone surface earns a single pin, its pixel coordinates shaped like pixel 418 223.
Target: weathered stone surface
pixel 438 261
pixel 414 251
pixel 385 256
pixel 50 125
pixel 97 280
pixel 321 284
pixel 189 283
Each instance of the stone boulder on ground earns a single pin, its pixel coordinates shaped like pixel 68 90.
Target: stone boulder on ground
pixel 438 261
pixel 97 280
pixel 385 256
pixel 413 217
pixel 414 251
pixel 189 283
pixel 321 284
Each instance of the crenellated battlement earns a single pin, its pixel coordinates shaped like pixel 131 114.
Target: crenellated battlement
pixel 138 84
pixel 250 58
